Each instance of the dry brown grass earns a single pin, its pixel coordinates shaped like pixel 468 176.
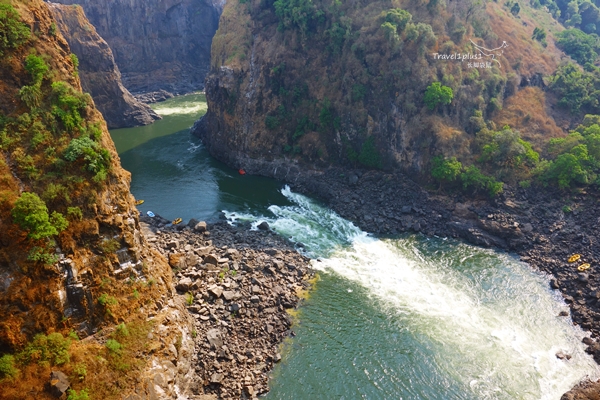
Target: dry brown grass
pixel 232 48
pixel 523 50
pixel 526 112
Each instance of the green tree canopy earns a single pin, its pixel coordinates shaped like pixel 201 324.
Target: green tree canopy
pixel 30 212
pixel 437 94
pixel 578 44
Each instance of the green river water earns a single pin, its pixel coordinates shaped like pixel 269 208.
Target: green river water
pixel 403 318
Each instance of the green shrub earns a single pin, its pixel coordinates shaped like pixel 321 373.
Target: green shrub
pixel 358 92
pixel 31 95
pixel 114 347
pixel 75 213
pixel 67 105
pixel 506 149
pixel 82 395
pixel 369 155
pixel 445 170
pixel 437 94
pixel 109 246
pixel 54 191
pixel 326 114
pixel 576 89
pixel 80 369
pixel 399 18
pixel 30 212
pixel 121 330
pixel 569 169
pixel 75 62
pixel 7 367
pixel 13 32
pixel 299 14
pixel 473 179
pixel 42 255
pixel 36 67
pixel 53 348
pixel 271 122
pixel 578 44
pixel 97 158
pixel 106 300
pixel 390 32
pixel 189 298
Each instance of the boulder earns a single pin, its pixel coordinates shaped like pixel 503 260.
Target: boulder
pixel 216 378
pixel 59 384
pixel 184 285
pixel 211 259
pixel 214 338
pixel 229 295
pixel 216 291
pixel 177 260
pixel 263 226
pixel 200 227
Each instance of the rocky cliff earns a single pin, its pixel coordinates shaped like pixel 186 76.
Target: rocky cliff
pixel 157 44
pixel 98 72
pixel 73 260
pixel 344 83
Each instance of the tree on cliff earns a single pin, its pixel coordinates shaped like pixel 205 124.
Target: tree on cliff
pixel 437 94
pixel 30 212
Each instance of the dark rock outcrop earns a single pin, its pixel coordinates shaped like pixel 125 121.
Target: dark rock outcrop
pixel 59 384
pixel 98 72
pixel 157 44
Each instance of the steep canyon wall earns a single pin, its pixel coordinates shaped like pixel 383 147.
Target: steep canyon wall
pixel 157 44
pixel 98 71
pixel 345 83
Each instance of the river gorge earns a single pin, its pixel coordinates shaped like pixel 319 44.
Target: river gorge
pixel 404 316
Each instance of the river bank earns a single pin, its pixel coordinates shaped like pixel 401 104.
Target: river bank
pixel 238 286
pixel 543 226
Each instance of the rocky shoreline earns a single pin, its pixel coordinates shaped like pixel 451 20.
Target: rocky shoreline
pixel 238 285
pixel 543 226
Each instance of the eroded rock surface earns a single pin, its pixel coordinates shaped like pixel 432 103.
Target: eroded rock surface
pixel 98 72
pixel 157 44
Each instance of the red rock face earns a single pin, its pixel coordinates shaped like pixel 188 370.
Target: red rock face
pixel 98 72
pixel 157 44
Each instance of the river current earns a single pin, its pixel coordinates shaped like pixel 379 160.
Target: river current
pixel 408 317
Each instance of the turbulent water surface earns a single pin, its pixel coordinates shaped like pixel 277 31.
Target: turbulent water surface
pixel 407 317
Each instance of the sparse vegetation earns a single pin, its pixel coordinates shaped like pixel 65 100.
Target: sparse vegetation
pixel 83 394
pixel 369 155
pixel 106 300
pixel 189 298
pixel 13 32
pixel 7 367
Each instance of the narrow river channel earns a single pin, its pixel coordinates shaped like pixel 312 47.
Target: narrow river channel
pixel 399 318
